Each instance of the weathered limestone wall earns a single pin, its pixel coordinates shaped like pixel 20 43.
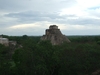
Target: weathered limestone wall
pixel 54 35
pixel 53 27
pixel 4 41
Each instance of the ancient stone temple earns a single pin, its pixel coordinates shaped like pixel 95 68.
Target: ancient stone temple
pixel 54 35
pixel 4 41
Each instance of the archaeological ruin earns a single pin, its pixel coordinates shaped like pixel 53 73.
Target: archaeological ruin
pixel 6 42
pixel 54 35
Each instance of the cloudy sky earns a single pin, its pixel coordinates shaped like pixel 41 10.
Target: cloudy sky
pixel 32 17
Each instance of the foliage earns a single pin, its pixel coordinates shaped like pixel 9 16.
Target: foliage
pixel 35 57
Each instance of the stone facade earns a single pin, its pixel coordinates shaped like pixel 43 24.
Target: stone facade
pixel 53 27
pixel 4 41
pixel 54 35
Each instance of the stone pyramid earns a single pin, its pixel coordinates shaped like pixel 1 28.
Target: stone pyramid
pixel 54 35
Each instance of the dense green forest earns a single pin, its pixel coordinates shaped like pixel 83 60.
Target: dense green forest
pixel 34 57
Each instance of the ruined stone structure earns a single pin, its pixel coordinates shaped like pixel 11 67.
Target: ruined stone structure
pixel 54 35
pixel 4 41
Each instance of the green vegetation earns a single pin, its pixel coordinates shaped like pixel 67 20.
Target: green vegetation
pixel 34 57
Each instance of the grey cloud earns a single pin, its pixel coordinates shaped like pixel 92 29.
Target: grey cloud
pixel 95 14
pixel 81 32
pixel 36 16
pixel 30 11
pixel 94 11
pixel 84 21
pixel 9 5
pixel 6 21
pixel 79 21
pixel 37 5
pixel 30 16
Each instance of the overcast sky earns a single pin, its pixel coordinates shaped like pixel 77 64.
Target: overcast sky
pixel 32 17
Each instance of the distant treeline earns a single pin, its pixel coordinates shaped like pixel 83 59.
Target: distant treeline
pixel 34 57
